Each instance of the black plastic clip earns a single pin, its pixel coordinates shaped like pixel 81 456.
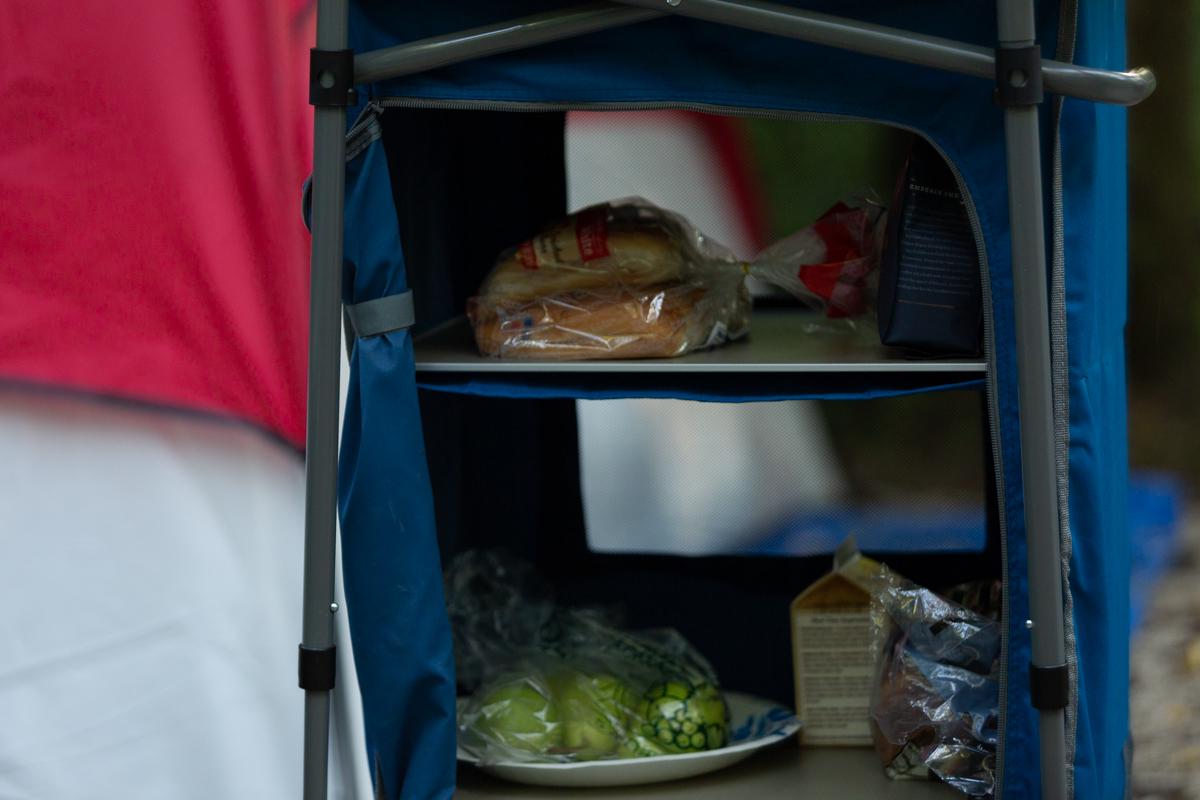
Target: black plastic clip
pixel 1049 687
pixel 331 77
pixel 1018 76
pixel 317 668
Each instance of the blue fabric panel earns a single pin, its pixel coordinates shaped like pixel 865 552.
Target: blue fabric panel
pixel 1019 747
pixel 878 529
pixel 679 60
pixel 737 389
pixel 390 559
pixel 1094 189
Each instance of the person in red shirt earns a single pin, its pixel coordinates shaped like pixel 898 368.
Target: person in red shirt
pixel 152 252
pixel 151 162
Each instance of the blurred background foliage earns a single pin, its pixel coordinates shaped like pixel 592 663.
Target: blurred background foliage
pixel 1163 334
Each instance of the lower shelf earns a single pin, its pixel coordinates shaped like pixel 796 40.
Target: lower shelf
pixel 783 771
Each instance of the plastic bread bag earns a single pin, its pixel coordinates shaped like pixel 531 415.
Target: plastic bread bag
pixel 579 688
pixel 627 279
pixel 832 265
pixel 934 705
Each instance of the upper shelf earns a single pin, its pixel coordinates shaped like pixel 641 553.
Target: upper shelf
pixel 778 360
pixel 778 343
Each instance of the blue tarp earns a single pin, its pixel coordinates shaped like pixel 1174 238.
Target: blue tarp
pixel 1155 519
pixel 399 630
pixel 1155 516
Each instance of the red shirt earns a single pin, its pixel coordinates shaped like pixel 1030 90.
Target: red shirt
pixel 151 161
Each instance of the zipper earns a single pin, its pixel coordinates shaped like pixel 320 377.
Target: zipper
pixel 985 282
pixel 365 120
pixel 993 414
pixel 1068 29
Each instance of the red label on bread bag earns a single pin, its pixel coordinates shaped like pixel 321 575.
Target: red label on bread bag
pixel 821 279
pixel 840 283
pixel 842 230
pixel 527 255
pixel 591 233
pixel 841 279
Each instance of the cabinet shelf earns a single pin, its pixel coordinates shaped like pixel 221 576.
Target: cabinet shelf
pixel 782 771
pixel 778 343
pixel 779 359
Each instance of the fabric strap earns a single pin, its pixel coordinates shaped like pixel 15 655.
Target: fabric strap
pixel 383 315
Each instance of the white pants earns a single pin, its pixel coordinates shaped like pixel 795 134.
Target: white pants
pixel 150 586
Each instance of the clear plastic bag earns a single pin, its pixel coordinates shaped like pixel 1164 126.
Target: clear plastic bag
pixel 934 706
pixel 832 265
pixel 627 279
pixel 497 605
pixel 562 685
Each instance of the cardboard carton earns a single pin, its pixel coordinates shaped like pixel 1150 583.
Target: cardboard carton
pixel 832 656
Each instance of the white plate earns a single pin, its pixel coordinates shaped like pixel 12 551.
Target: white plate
pixel 756 723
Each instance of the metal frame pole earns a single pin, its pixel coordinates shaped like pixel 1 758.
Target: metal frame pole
pixel 517 34
pixel 1102 86
pixel 324 364
pixel 1017 32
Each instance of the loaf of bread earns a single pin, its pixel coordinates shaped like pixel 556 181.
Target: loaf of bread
pixel 657 322
pixel 587 251
pixel 622 280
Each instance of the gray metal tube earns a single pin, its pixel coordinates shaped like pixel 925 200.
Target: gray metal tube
pixel 833 31
pixel 1086 83
pixel 324 364
pixel 440 51
pixel 1035 394
pixel 1122 88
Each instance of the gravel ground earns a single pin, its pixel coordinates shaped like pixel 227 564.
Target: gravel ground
pixel 1165 687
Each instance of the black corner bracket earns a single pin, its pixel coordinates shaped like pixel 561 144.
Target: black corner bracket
pixel 1049 687
pixel 317 668
pixel 331 77
pixel 1018 76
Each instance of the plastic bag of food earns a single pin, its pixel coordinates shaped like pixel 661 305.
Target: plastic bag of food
pixel 934 707
pixel 610 695
pixel 627 279
pixel 496 604
pixel 832 264
pixel 562 685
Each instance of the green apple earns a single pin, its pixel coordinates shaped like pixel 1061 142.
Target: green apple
pixel 518 713
pixel 594 710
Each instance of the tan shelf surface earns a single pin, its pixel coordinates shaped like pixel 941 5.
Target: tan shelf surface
pixel 778 343
pixel 781 773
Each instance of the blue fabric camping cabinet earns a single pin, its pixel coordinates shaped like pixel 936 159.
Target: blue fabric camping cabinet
pixel 452 150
